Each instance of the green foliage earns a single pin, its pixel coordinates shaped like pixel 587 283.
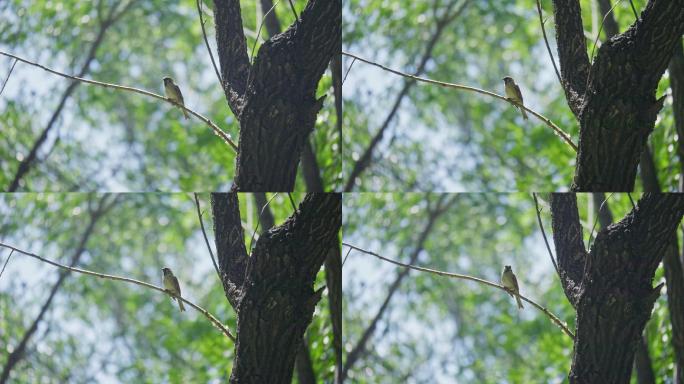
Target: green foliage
pixel 445 139
pixel 442 330
pixel 106 139
pixel 103 330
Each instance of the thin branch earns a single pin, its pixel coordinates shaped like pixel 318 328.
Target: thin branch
pixel 218 131
pixel 550 315
pixel 348 69
pixel 294 206
pixel 206 240
pixel 204 34
pixel 541 226
pixel 548 47
pixel 203 311
pixel 8 76
pixel 6 261
pixel 256 228
pixel 600 29
pixel 634 9
pixel 591 234
pixel 256 39
pixel 345 256
pixel 548 122
pixel 293 10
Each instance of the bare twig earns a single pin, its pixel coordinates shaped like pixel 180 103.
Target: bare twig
pixel 348 69
pixel 203 311
pixel 204 34
pixel 256 39
pixel 544 119
pixel 601 28
pixel 548 47
pixel 550 315
pixel 218 131
pixel 293 10
pixel 345 256
pixel 294 206
pixel 256 228
pixel 591 234
pixel 634 9
pixel 541 226
pixel 204 233
pixel 6 261
pixel 8 76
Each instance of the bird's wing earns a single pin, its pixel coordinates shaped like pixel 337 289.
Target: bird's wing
pixel 174 281
pixel 517 91
pixel 515 282
pixel 180 95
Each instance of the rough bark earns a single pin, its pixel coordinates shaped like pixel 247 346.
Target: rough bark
pixel 276 300
pixel 676 70
pixel 642 359
pixel 333 279
pixel 613 292
pixel 274 98
pixel 230 244
pixel 614 98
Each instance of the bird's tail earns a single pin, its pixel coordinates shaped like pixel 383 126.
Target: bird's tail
pixel 185 113
pixel 523 113
pixel 182 307
pixel 517 298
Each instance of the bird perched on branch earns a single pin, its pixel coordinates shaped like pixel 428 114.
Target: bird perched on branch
pixel 171 285
pixel 513 93
pixel 173 93
pixel 509 282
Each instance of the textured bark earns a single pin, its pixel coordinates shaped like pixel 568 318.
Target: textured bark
pixel 276 300
pixel 642 360
pixel 674 280
pixel 613 295
pixel 333 279
pixel 614 98
pixel 274 98
pixel 567 236
pixel 642 363
pixel 676 70
pixel 230 244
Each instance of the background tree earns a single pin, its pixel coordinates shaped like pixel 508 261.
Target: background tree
pixel 415 326
pixel 102 330
pixel 54 135
pixel 428 138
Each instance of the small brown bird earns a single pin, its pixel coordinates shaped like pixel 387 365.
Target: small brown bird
pixel 513 93
pixel 173 93
pixel 171 284
pixel 509 282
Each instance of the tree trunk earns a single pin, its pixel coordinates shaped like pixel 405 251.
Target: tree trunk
pixel 272 289
pixel 274 98
pixel 614 97
pixel 611 285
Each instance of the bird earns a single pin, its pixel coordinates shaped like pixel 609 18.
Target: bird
pixel 509 282
pixel 513 93
pixel 173 93
pixel 171 285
